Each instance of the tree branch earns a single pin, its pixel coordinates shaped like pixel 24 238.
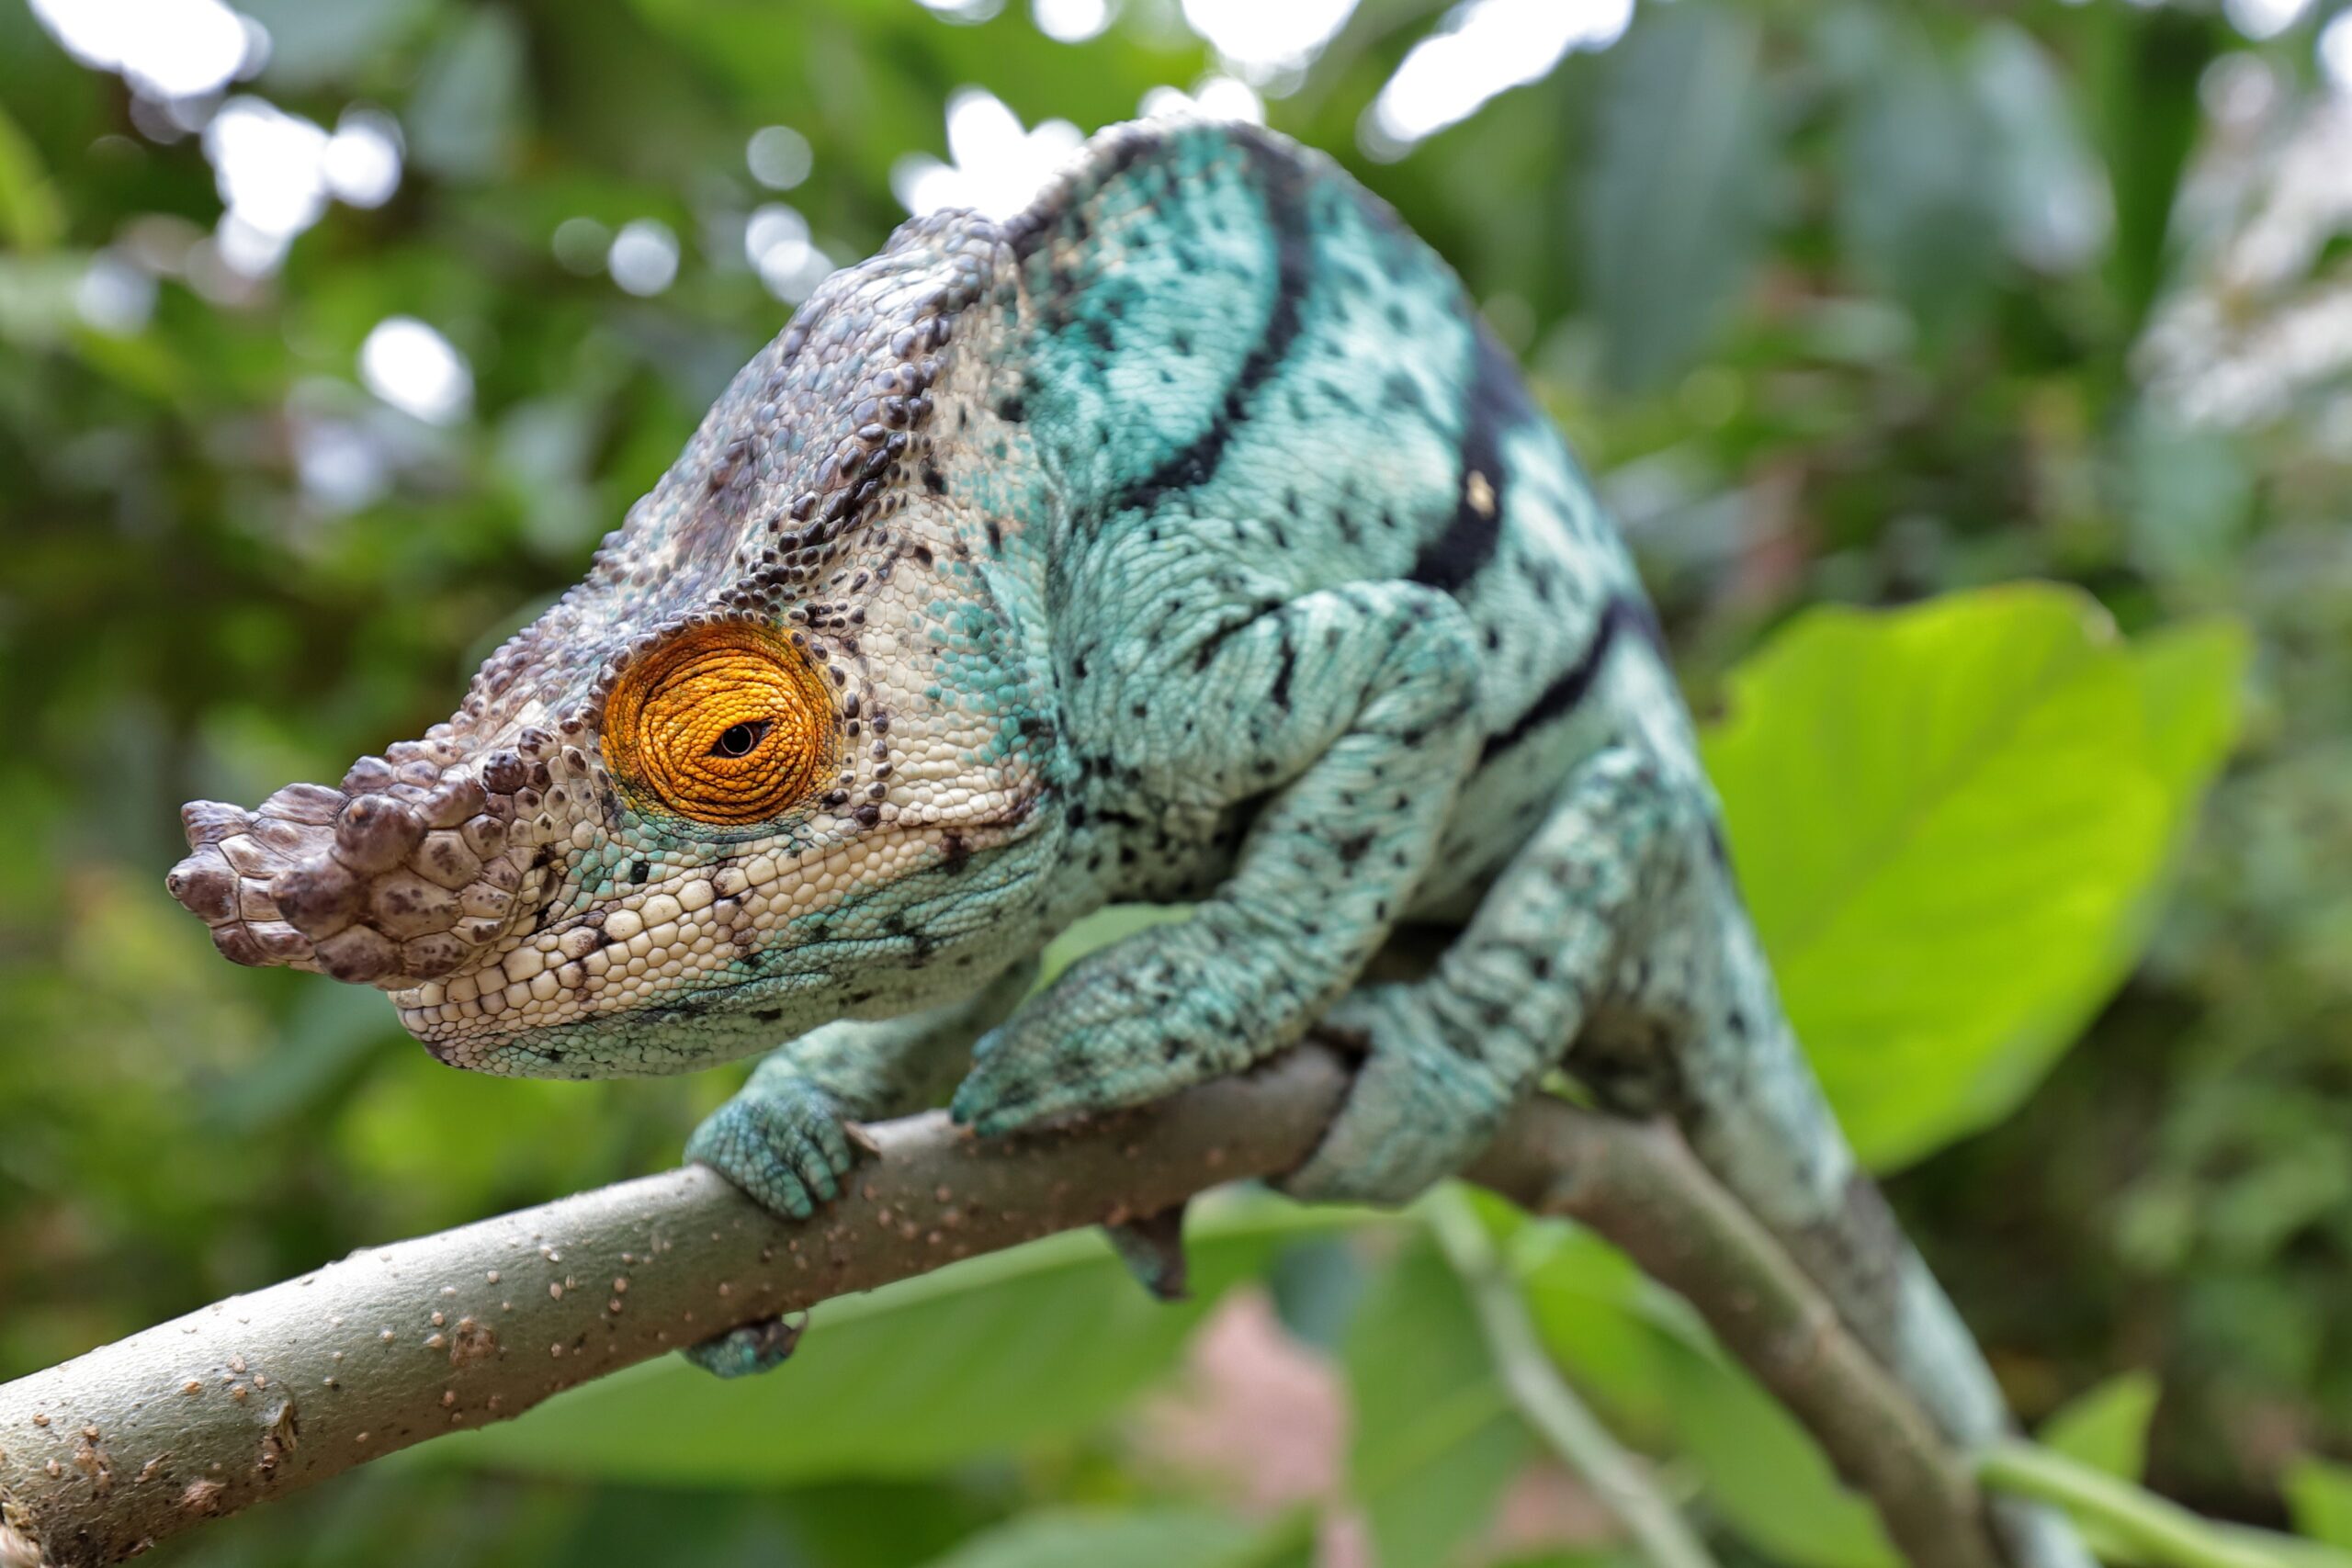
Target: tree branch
pixel 262 1395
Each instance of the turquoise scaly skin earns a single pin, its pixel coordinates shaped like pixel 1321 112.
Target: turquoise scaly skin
pixel 1185 538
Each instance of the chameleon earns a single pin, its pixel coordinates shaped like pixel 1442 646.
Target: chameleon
pixel 1184 539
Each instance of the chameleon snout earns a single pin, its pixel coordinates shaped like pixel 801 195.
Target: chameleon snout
pixel 418 867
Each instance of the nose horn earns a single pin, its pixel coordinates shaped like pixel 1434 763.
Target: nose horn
pixel 401 876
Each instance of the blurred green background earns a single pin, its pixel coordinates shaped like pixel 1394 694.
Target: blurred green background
pixel 334 332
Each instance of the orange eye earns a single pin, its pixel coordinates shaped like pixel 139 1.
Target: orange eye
pixel 726 724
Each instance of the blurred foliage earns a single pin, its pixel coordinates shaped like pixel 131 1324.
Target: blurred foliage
pixel 1844 303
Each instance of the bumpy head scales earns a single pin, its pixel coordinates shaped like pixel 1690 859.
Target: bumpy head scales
pixel 418 865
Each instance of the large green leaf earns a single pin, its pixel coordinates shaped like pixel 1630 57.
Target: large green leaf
pixel 1763 1472
pixel 1949 821
pixel 1600 1316
pixel 1157 1537
pixel 983 1357
pixel 1436 1439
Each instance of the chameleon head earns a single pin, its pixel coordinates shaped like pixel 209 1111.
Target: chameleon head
pixel 773 746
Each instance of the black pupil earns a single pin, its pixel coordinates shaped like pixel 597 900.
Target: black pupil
pixel 737 740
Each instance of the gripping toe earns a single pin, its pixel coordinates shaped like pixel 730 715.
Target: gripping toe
pixel 783 1141
pixel 1417 1114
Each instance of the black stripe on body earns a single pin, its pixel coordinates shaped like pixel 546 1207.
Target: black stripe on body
pixel 1284 193
pixel 1622 614
pixel 1493 403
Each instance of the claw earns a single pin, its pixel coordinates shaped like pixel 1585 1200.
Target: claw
pixel 1153 1249
pixel 743 1352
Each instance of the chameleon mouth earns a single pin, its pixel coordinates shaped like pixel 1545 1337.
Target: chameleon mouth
pixel 693 1029
pixel 415 869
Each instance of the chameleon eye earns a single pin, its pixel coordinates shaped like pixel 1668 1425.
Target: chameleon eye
pixel 738 739
pixel 726 724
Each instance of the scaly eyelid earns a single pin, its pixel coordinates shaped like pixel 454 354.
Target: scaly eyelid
pixel 671 714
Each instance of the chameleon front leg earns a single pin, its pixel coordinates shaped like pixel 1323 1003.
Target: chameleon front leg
pixel 1448 1054
pixel 784 1137
pixel 787 1137
pixel 1353 706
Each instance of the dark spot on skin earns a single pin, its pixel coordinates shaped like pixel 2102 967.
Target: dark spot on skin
pixel 1285 664
pixel 638 870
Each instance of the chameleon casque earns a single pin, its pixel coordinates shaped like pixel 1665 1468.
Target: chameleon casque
pixel 1185 537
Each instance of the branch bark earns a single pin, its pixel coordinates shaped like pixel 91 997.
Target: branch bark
pixel 262 1395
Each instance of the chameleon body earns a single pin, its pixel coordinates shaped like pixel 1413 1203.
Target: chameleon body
pixel 1185 538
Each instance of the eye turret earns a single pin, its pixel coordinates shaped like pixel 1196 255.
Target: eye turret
pixel 726 724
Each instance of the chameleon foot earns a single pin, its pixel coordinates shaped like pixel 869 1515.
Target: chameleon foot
pixel 1419 1111
pixel 743 1352
pixel 1153 1249
pixel 782 1140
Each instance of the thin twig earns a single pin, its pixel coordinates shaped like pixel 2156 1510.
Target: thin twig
pixel 2158 1530
pixel 1545 1398
pixel 262 1395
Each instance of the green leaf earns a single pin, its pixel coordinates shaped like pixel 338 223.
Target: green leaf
pixel 2189 678
pixel 1762 1473
pixel 2188 494
pixel 2142 76
pixel 1672 215
pixel 2107 1427
pixel 1600 1316
pixel 1436 1439
pixel 984 1358
pixel 1101 929
pixel 1949 821
pixel 1156 1538
pixel 463 115
pixel 2049 186
pixel 2319 1499
pixel 32 219
pixel 1919 170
